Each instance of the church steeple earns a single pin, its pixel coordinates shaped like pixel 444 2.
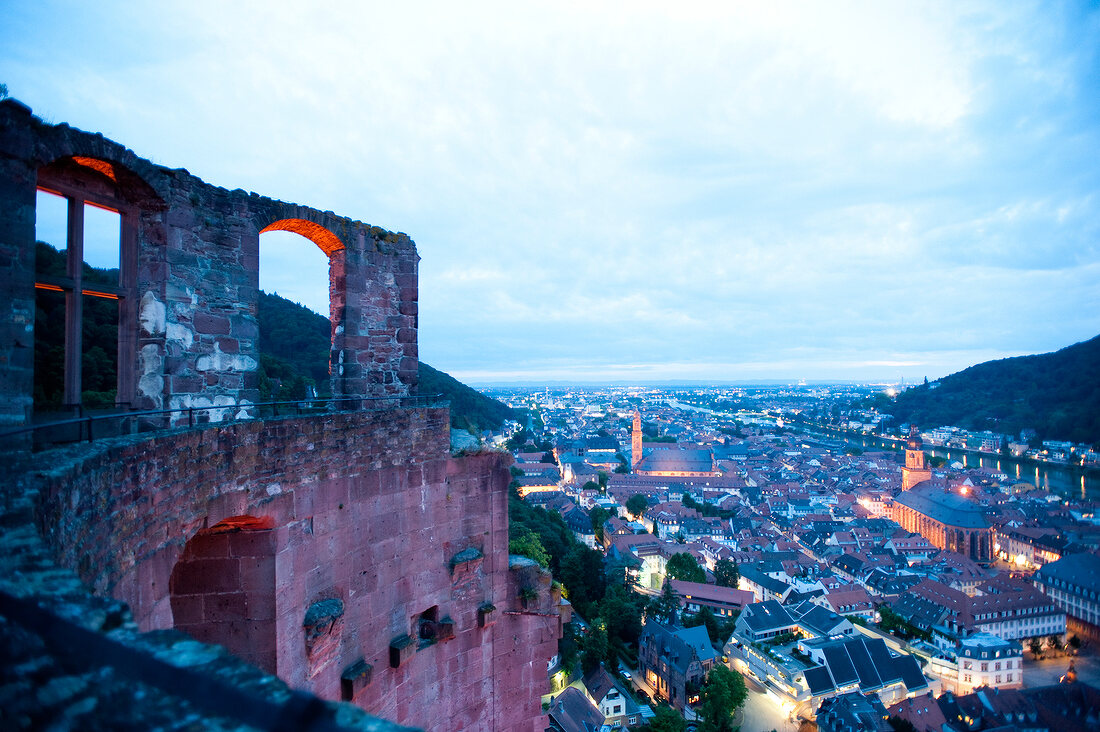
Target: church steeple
pixel 915 470
pixel 636 441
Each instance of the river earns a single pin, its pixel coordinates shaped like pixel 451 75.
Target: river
pixel 1064 480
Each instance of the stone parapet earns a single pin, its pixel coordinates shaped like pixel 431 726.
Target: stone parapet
pixel 307 546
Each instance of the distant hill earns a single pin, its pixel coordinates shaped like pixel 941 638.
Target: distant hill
pixel 294 351
pixel 470 409
pixel 1056 394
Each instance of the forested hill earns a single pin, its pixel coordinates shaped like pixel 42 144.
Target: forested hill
pixel 1057 394
pixel 470 409
pixel 294 351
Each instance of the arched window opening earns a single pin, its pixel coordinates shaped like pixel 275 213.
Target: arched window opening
pixel 84 262
pixel 295 309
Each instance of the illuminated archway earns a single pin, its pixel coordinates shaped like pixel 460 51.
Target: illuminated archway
pixel 222 588
pixel 319 235
pixel 315 283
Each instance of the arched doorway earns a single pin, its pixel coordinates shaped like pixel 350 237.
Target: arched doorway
pixel 222 589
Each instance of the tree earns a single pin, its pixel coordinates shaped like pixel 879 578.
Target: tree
pixel 682 566
pixel 623 610
pixel 598 515
pixel 636 505
pixel 525 542
pixel 666 606
pixel 723 693
pixel 519 439
pixel 666 719
pixel 706 618
pixel 595 646
pixel 1035 646
pixel 726 573
pixel 581 571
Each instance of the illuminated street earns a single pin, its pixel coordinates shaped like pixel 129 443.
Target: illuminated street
pixel 762 712
pixel 1050 670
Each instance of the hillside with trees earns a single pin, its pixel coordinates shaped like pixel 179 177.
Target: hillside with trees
pixel 1056 394
pixel 294 352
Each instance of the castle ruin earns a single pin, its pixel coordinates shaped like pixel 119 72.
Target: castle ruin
pixel 349 553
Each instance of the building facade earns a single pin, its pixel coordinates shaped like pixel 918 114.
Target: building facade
pixel 945 519
pixel 1073 583
pixel 916 469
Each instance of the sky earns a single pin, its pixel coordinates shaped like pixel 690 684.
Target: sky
pixel 644 191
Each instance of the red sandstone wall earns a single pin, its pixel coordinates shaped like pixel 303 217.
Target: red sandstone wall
pixel 368 510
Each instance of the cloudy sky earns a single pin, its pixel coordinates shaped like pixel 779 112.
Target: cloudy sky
pixel 638 191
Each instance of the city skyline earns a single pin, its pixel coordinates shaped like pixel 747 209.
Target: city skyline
pixel 852 192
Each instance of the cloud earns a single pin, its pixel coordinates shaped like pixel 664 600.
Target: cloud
pixel 708 188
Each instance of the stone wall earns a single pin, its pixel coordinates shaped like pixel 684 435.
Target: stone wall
pixel 348 553
pixel 384 577
pixel 190 276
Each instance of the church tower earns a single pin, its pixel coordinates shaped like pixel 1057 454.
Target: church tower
pixel 915 470
pixel 636 441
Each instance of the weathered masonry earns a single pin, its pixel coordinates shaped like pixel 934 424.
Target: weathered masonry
pixel 188 277
pixel 349 554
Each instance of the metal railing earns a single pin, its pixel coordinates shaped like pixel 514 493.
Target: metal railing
pixel 91 427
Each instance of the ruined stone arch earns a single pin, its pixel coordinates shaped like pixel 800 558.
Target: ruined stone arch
pixel 222 588
pixel 328 242
pixel 333 248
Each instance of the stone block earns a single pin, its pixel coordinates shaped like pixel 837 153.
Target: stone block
pixel 207 575
pixel 354 679
pixel 225 607
pixel 402 649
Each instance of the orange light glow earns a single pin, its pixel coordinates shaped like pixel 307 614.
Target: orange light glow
pixel 89 293
pixel 240 523
pixel 100 166
pixel 93 204
pixel 319 235
pixel 97 293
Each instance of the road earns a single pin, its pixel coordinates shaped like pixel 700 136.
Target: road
pixel 762 712
pixel 1049 670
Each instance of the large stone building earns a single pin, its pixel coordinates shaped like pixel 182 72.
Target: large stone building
pixel 1073 583
pixel 669 459
pixel 348 553
pixel 675 661
pixel 947 520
